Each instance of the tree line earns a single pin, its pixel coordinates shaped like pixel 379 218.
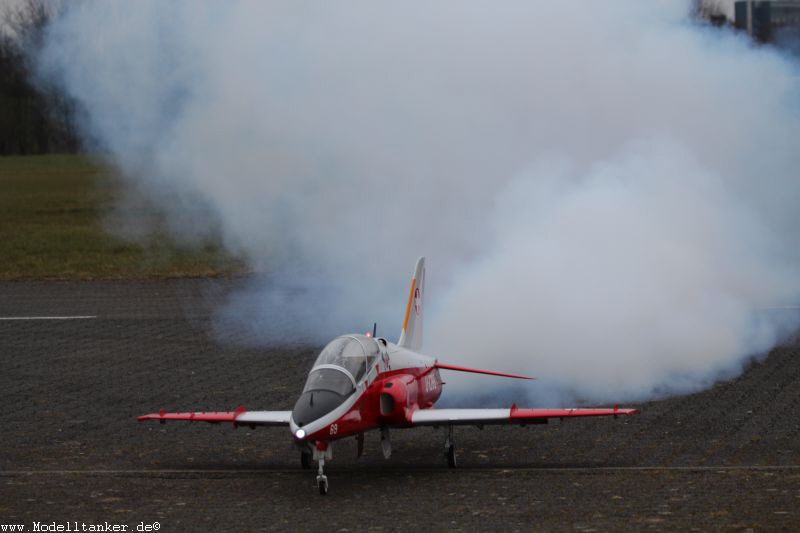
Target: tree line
pixel 34 118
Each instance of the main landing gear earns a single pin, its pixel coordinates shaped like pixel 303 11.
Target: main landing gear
pixel 450 448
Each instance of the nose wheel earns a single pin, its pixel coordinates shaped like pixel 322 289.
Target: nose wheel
pixel 322 479
pixel 322 484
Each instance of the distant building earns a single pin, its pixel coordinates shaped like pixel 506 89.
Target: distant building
pixel 766 20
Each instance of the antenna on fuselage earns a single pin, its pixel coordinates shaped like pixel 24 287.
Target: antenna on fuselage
pixel 374 329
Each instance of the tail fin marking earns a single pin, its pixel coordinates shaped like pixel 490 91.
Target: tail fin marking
pixel 411 337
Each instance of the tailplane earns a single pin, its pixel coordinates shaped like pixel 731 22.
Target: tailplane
pixel 411 337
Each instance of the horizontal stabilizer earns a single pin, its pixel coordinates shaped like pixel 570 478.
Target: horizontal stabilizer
pixel 476 371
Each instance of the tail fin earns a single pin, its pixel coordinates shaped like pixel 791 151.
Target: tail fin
pixel 411 338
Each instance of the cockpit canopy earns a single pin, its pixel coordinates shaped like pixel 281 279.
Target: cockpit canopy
pixel 354 353
pixel 333 378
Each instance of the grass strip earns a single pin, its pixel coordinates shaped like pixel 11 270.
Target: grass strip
pixel 54 210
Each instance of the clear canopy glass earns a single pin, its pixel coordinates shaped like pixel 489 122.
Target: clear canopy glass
pixel 354 353
pixel 338 368
pixel 328 379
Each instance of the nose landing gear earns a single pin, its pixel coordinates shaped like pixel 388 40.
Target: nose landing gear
pixel 322 479
pixel 322 451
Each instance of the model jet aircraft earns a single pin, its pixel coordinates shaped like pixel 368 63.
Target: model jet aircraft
pixel 361 383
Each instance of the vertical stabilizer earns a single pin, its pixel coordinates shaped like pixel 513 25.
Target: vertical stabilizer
pixel 411 338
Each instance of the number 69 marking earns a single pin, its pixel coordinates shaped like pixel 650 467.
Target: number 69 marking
pixel 334 429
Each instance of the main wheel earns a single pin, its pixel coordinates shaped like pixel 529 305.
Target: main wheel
pixel 323 486
pixel 451 456
pixel 305 460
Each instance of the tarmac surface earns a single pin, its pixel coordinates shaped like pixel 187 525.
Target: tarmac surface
pixel 72 454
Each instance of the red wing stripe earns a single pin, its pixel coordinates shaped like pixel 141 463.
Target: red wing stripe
pixel 517 413
pixel 476 371
pixel 514 415
pixel 219 416
pixel 240 416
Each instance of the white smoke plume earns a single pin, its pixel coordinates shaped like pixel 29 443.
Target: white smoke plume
pixel 606 192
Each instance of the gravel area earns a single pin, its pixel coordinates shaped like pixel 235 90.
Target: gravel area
pixel 71 450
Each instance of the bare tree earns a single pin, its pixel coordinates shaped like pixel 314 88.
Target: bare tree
pixel 34 117
pixel 711 11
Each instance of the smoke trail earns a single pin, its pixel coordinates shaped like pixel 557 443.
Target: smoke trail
pixel 606 193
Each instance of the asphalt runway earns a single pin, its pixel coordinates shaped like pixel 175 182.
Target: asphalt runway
pixel 73 454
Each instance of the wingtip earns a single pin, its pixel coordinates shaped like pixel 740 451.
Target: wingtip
pixel 152 416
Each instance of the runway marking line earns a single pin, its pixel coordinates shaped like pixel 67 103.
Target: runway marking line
pixel 587 469
pixel 78 317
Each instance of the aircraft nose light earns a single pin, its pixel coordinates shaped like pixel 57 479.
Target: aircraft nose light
pixel 300 434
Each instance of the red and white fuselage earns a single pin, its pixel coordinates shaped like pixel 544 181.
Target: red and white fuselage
pixel 360 383
pixel 395 383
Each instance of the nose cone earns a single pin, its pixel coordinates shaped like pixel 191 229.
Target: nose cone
pixel 315 404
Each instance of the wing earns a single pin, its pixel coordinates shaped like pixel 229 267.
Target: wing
pixel 514 415
pixel 239 417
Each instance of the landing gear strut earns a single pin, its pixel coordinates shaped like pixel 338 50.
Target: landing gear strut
pixel 450 448
pixel 386 442
pixel 322 451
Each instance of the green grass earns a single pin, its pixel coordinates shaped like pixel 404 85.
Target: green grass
pixel 53 213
